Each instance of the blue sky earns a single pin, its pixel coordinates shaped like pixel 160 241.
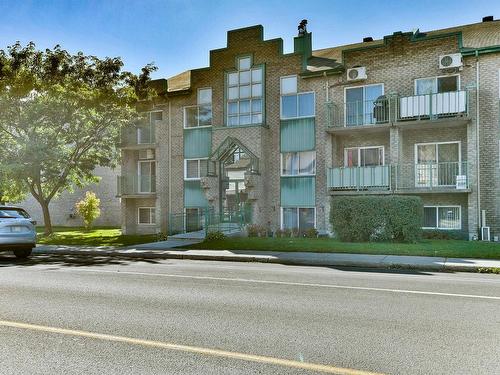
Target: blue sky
pixel 177 34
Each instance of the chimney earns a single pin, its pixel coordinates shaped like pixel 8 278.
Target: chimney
pixel 302 44
pixel 488 19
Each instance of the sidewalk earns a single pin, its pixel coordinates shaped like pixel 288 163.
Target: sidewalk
pixel 290 258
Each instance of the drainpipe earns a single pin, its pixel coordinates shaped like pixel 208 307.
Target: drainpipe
pixel 478 173
pixel 169 158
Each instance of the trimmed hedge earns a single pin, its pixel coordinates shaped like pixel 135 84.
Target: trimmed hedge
pixel 377 218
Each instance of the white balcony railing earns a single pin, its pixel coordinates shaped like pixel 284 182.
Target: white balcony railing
pixel 444 104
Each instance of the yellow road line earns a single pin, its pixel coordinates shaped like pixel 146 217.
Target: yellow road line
pixel 190 349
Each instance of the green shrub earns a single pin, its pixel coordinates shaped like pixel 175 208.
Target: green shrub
pixel 436 234
pixel 282 233
pixel 377 218
pixel 216 235
pixel 310 233
pixel 88 209
pixel 256 230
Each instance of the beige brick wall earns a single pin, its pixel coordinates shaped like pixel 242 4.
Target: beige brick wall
pixel 396 64
pixel 61 207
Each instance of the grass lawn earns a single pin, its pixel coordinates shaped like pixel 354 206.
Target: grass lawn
pixel 102 236
pixel 440 248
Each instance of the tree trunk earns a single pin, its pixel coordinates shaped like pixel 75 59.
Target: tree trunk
pixel 46 217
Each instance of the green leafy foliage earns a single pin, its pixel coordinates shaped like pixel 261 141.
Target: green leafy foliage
pixel 89 209
pixel 377 218
pixel 256 230
pixel 61 117
pixel 216 235
pixel 435 234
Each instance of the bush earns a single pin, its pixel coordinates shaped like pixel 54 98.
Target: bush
pixel 88 209
pixel 283 233
pixel 310 233
pixel 256 230
pixel 377 218
pixel 436 234
pixel 216 235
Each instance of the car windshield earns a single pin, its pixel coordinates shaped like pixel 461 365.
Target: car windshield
pixel 13 213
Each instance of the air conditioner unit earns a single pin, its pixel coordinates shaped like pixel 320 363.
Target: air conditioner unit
pixel 148 153
pixel 485 233
pixel 356 74
pixel 461 182
pixel 453 60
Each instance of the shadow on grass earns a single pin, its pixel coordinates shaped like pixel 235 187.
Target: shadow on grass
pixel 7 260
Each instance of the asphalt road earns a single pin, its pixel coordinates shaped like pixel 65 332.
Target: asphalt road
pixel 66 315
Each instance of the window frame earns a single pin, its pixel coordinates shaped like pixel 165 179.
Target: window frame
pixel 251 98
pixel 298 215
pixel 199 169
pixel 436 144
pixel 139 174
pixel 297 94
pixel 198 105
pixel 437 207
pixel 357 87
pixel 359 148
pixel 282 154
pixel 459 83
pixel 152 217
pixel 296 84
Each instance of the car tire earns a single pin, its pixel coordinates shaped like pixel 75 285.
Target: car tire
pixel 22 253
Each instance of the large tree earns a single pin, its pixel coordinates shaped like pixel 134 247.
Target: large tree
pixel 60 118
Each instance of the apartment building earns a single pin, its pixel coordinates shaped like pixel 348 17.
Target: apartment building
pixel 268 137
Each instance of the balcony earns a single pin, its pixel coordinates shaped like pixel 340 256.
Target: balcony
pixel 359 178
pixel 447 177
pixel 136 186
pixel 197 116
pixel 399 110
pixel 138 136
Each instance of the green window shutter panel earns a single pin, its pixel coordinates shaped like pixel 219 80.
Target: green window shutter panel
pixel 298 191
pixel 197 143
pixel 193 195
pixel 297 135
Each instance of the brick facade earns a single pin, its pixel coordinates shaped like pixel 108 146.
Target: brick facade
pixel 396 62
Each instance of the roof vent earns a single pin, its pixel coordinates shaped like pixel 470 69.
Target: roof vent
pixel 488 19
pixel 367 39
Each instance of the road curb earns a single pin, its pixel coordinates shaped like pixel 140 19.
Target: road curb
pixel 286 259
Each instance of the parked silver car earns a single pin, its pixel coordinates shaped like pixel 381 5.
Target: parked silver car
pixel 17 231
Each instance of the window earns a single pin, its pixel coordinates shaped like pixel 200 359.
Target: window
pixel 293 104
pixel 360 104
pixel 442 217
pixel 437 164
pixel 146 215
pixel 301 218
pixel 146 132
pixel 244 94
pixel 146 176
pixel 434 85
pixel 364 156
pixel 201 114
pixel 298 163
pixel 195 168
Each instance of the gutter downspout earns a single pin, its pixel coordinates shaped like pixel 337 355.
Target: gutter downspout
pixel 478 173
pixel 169 161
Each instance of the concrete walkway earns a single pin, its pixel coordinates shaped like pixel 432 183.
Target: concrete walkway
pixel 292 258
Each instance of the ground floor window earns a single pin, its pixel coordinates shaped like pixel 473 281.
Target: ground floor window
pixel 146 215
pixel 194 219
pixel 301 218
pixel 442 217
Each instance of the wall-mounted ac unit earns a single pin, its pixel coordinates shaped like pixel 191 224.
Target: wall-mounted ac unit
pixel 148 153
pixel 453 60
pixel 356 74
pixel 485 233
